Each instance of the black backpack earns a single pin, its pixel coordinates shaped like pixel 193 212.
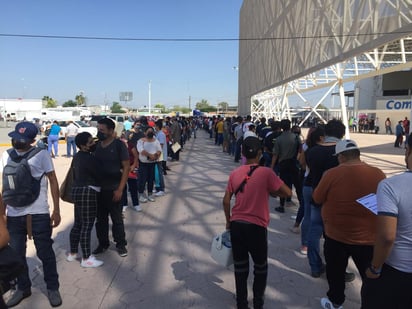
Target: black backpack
pixel 20 188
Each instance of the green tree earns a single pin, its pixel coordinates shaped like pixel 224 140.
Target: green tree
pixel 162 107
pixel 80 99
pixel 116 108
pixel 223 106
pixel 49 102
pixel 70 103
pixel 204 106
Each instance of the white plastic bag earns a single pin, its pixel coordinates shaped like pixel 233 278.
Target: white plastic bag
pixel 221 249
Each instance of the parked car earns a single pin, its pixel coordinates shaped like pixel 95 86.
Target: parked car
pixel 82 127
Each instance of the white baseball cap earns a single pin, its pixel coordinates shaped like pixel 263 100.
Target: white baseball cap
pixel 345 145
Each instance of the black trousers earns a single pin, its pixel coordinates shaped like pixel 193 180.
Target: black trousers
pixel 336 256
pixel 391 290
pixel 290 174
pixel 249 239
pixel 106 207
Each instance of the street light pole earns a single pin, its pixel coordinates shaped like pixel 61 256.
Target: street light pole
pixel 150 97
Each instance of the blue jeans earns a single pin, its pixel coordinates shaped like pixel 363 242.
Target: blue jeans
pixel 43 242
pixel 304 229
pixel 315 233
pixel 53 140
pixel 71 145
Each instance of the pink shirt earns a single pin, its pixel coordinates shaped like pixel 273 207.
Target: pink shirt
pixel 252 205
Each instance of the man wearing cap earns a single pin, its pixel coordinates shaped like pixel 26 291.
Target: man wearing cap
pixel 35 219
pixel 349 227
pixel 248 219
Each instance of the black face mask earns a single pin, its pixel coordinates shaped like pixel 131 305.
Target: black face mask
pixel 92 148
pixel 150 134
pixel 19 145
pixel 101 136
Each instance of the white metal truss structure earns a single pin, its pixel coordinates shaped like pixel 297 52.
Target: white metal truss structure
pixel 290 47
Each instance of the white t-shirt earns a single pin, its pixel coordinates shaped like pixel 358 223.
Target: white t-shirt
pixel 40 164
pixel 71 130
pixel 394 199
pixel 150 147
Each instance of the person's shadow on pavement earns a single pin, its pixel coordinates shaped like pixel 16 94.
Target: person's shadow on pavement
pixel 203 284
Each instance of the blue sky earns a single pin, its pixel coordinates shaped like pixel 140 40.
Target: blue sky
pixel 62 68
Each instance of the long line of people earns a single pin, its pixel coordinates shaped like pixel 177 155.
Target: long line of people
pixel 329 179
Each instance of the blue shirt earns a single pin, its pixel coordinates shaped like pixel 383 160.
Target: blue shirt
pixel 55 129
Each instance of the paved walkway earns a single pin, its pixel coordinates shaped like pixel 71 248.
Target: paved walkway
pixel 169 266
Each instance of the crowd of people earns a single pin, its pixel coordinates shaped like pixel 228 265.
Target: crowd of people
pixel 324 169
pixel 104 171
pixel 330 181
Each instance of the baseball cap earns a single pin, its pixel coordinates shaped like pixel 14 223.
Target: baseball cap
pixel 345 145
pixel 24 132
pixel 250 146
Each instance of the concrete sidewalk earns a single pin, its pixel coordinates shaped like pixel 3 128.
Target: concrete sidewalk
pixel 169 265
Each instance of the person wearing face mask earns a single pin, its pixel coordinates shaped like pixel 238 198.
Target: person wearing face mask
pixel 85 192
pixel 113 159
pixel 34 221
pixel 149 150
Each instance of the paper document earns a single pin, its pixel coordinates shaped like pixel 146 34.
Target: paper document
pixel 369 201
pixel 176 147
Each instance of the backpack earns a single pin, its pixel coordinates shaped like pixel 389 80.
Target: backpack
pixel 20 188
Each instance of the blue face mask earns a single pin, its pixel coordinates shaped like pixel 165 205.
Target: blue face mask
pixel 101 136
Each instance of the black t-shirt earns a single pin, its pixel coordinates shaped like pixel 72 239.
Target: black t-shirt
pixel 86 170
pixel 319 159
pixel 110 159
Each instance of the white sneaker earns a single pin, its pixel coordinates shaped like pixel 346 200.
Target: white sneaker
pixel 154 190
pixel 160 193
pixel 71 257
pixel 137 208
pixel 142 199
pixel 151 198
pixel 124 208
pixel 91 262
pixel 327 304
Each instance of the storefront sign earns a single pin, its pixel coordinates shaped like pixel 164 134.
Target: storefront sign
pixel 393 104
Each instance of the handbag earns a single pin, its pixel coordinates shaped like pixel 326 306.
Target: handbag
pixel 11 265
pixel 221 249
pixel 67 185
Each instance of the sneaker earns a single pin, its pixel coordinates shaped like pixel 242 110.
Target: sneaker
pixel 17 296
pixel 137 208
pixel 295 229
pixel 55 299
pixel 100 249
pixel 327 304
pixel 280 209
pixel 293 217
pixel 304 250
pixel 122 251
pixel 151 198
pixel 349 277
pixel 154 190
pixel 142 199
pixel 160 193
pixel 71 257
pixel 91 262
pixel 124 208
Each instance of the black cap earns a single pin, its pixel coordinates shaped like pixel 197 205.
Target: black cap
pixel 251 146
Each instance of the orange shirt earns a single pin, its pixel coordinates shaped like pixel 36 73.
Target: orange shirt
pixel 344 219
